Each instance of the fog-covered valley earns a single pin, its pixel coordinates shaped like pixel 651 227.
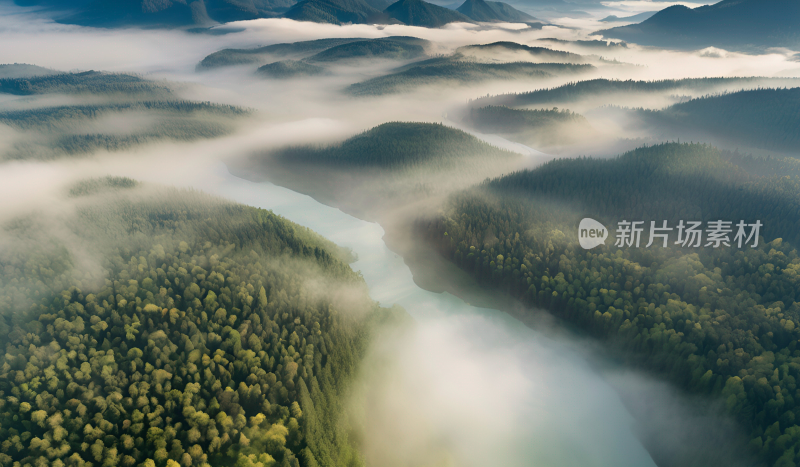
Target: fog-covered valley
pixel 280 242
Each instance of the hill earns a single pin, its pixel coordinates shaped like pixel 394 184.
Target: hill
pixel 454 72
pixel 536 128
pixel 421 13
pixel 394 47
pixel 483 11
pixel 334 11
pixel 605 91
pixel 262 55
pixel 628 19
pixel 289 69
pixel 738 24
pixel 697 316
pixel 79 130
pixel 386 167
pixel 764 119
pixel 196 337
pixel 512 51
pixel 88 82
pixel 150 13
pixel 21 70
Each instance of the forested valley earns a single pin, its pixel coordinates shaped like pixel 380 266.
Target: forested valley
pixel 720 322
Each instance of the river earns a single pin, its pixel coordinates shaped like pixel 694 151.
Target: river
pixel 534 399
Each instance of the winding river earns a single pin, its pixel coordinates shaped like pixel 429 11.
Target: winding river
pixel 534 399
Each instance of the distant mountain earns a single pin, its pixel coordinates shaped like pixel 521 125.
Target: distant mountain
pixel 480 10
pixel 420 13
pixel 335 12
pixel 628 19
pixel 161 13
pixel 508 13
pixel 737 24
pixel 378 4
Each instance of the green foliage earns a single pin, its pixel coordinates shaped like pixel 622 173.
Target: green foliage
pixel 396 146
pixel 448 71
pixel 96 185
pixel 199 342
pixel 80 83
pixel 581 90
pixel 333 11
pixel 395 47
pixel 762 118
pixel 289 69
pixel 542 53
pixel 51 132
pixel 260 55
pixel 533 127
pixel 721 322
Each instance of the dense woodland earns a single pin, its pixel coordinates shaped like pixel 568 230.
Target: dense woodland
pixel 533 127
pixel 721 322
pixel 262 55
pixel 577 91
pixel 460 73
pixel 94 82
pixel 762 118
pixel 206 333
pixel 53 132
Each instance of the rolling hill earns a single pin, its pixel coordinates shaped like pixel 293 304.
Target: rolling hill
pixel 289 69
pixel 334 12
pixel 483 11
pixel 395 47
pixel 459 73
pixel 737 24
pixel 262 55
pixel 421 13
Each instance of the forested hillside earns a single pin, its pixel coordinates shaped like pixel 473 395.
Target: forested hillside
pixel 457 72
pixel 604 91
pixel 262 55
pixel 761 118
pixel 52 132
pixel 179 329
pixel 497 50
pixel 539 128
pixel 716 321
pixel 94 82
pixel 391 165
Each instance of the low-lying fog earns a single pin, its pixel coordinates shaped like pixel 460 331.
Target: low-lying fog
pixel 463 386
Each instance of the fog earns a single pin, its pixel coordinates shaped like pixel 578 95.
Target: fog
pixel 460 386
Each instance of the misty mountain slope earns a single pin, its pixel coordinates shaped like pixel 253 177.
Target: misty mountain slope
pixel 739 24
pixel 88 82
pixel 22 70
pixel 167 13
pixel 290 69
pixel 386 167
pixel 543 129
pixel 508 13
pixel 765 119
pixel 262 55
pixel 605 91
pixel 450 72
pixel 183 284
pixel 483 11
pixel 512 51
pixel 714 321
pixel 421 13
pixel 589 44
pixel 71 131
pixel 394 47
pixel 334 11
pixel 628 19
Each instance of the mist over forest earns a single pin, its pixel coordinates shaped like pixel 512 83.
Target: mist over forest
pixel 349 233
